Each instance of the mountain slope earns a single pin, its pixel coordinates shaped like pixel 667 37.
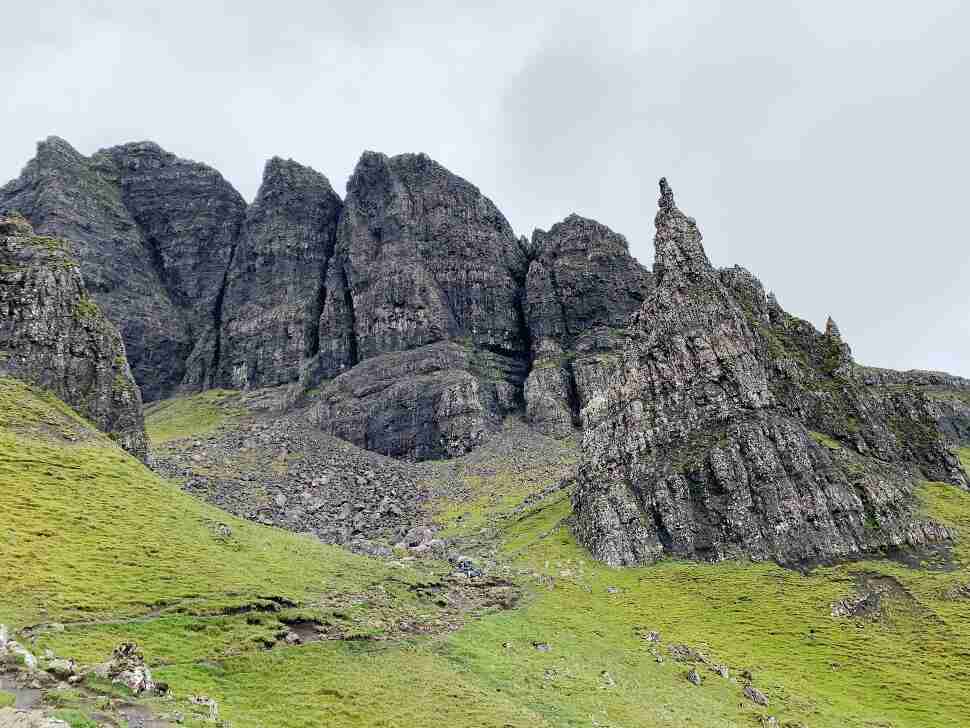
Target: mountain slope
pixel 121 555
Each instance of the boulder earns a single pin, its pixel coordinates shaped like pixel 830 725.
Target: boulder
pixel 127 667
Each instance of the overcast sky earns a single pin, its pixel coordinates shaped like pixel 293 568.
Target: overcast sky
pixel 823 145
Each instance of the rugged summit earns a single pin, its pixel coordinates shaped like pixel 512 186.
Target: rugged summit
pixel 53 335
pixel 414 320
pixel 78 199
pixel 580 291
pixel 735 428
pixel 275 288
pixel 153 234
pixel 424 295
pixel 190 219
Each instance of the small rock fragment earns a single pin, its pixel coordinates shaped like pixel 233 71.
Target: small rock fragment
pixel 753 694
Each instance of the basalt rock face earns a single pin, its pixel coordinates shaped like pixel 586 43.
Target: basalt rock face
pixel 734 428
pixel 79 199
pixel 948 396
pixel 422 258
pixel 275 288
pixel 190 219
pixel 53 335
pixel 581 289
pixel 154 235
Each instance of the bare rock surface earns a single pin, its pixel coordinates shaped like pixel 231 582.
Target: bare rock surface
pixel 581 289
pixel 271 309
pixel 734 428
pixel 53 335
pixel 153 234
pixel 78 199
pixel 282 470
pixel 421 258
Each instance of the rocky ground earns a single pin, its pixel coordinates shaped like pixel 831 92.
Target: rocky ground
pixel 275 468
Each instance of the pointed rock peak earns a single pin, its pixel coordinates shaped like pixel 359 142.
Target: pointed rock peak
pixel 56 143
pixel 53 150
pixel 677 243
pixel 832 329
pixel 666 195
pixel 280 172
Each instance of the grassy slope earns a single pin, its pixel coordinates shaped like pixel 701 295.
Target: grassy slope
pixel 907 667
pixel 180 417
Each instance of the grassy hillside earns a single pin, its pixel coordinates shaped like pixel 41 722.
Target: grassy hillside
pixel 95 537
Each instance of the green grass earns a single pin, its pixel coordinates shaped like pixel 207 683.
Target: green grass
pixel 826 441
pixel 75 718
pixel 964 454
pixel 89 533
pixel 7 700
pixel 189 416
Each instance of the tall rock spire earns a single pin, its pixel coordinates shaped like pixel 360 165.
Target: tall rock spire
pixel 677 243
pixel 705 444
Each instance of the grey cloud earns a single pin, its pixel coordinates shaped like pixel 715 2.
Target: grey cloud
pixel 820 144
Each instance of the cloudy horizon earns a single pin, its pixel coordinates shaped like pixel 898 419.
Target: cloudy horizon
pixel 820 145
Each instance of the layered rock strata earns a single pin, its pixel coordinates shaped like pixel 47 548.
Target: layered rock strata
pixel 53 335
pixel 733 428
pixel 423 295
pixel 581 288
pixel 276 285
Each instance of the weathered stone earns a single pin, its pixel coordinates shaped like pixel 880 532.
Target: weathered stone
pixel 271 307
pixel 581 288
pixel 422 258
pixel 154 235
pixel 54 336
pixel 702 448
pixel 127 667
pixel 78 199
pixel 191 220
pixel 417 404
pixel 754 695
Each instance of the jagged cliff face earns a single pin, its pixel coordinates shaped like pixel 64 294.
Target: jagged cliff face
pixel 79 200
pixel 418 321
pixel 276 284
pixel 581 289
pixel 422 258
pixel 53 335
pixel 154 235
pixel 190 219
pixel 734 428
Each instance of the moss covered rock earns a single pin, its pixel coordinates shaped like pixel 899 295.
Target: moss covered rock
pixel 53 335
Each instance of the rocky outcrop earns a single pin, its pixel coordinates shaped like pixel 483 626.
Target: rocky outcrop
pixel 438 400
pixel 581 288
pixel 190 219
pixel 948 396
pixel 422 257
pixel 734 428
pixel 53 335
pixel 275 288
pixel 78 199
pixel 154 235
pixel 415 316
